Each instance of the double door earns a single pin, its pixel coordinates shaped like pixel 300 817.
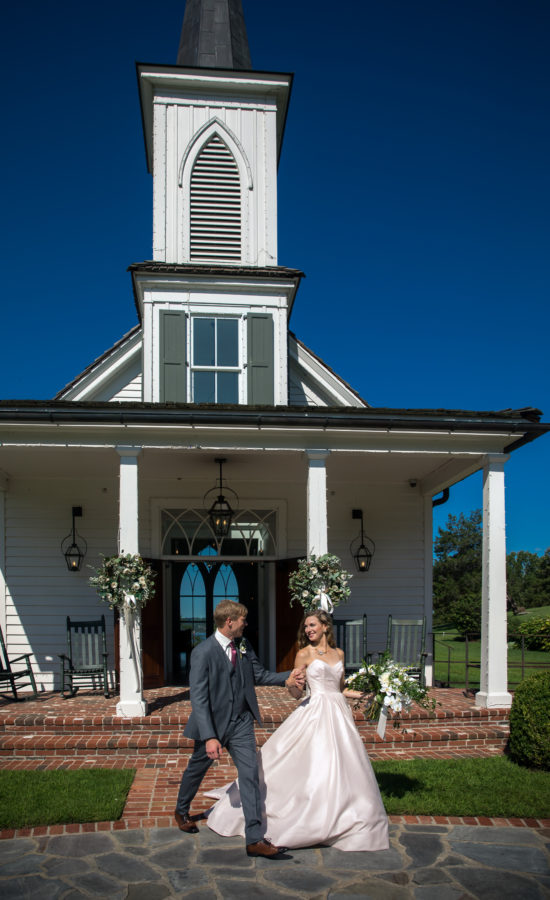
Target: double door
pixel 197 587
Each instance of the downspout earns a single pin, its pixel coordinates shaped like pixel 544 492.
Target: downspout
pixel 439 501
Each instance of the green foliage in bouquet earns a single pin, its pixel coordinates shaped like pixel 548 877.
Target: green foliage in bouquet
pixel 386 684
pixel 124 580
pixel 319 573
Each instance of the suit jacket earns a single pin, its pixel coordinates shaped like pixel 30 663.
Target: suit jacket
pixel 211 691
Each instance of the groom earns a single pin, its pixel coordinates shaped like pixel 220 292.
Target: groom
pixel 224 706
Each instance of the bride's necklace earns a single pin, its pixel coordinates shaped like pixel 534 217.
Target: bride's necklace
pixel 320 652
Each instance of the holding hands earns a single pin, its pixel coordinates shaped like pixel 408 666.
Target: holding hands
pixel 296 681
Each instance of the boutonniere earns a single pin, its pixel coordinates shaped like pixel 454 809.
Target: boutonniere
pixel 242 649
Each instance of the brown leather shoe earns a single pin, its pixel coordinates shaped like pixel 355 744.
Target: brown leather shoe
pixel 267 849
pixel 185 823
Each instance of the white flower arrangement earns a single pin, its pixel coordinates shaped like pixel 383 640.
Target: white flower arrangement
pixel 242 648
pixel 387 685
pixel 318 576
pixel 124 582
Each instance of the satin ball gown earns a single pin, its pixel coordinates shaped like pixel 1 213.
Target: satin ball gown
pixel 316 780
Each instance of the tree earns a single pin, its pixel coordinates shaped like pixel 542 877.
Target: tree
pixel 523 576
pixel 457 573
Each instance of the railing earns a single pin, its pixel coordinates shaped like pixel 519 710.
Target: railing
pixel 453 669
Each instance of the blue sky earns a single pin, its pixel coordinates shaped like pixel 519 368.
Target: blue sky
pixel 414 192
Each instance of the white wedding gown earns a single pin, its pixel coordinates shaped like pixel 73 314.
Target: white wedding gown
pixel 316 780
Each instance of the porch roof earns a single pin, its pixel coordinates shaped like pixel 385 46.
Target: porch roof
pixel 523 424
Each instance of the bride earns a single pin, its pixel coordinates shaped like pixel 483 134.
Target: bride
pixel 316 780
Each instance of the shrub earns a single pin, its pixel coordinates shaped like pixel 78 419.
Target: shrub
pixel 530 722
pixel 536 632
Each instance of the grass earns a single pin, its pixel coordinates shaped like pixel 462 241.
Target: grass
pixel 493 786
pixel 448 640
pixel 30 798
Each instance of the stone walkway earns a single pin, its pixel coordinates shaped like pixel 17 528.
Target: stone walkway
pixel 425 862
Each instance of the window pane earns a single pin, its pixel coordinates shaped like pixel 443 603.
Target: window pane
pixel 203 387
pixel 203 342
pixel 228 387
pixel 228 342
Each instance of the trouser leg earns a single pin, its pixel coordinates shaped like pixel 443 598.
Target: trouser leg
pixel 242 748
pixel 192 777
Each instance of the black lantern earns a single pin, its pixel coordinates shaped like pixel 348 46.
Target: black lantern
pixel 74 551
pixel 361 552
pixel 221 513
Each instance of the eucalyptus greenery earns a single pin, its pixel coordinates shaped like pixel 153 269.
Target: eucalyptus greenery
pixel 124 580
pixel 319 573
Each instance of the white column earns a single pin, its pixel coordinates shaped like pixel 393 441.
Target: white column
pixel 317 539
pixel 131 702
pixel 428 587
pixel 494 651
pixel 3 491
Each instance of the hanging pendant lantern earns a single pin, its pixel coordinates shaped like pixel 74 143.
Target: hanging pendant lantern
pixel 221 512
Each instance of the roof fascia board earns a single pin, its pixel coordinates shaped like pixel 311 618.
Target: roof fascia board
pixel 105 370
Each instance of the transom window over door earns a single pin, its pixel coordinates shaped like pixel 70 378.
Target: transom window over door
pixel 216 368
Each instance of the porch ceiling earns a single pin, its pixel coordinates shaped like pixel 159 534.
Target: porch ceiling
pixel 431 470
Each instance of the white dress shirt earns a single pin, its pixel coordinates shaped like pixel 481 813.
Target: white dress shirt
pixel 225 643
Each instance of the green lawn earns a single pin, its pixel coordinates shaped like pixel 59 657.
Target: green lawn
pixel 446 642
pixel 50 798
pixel 463 787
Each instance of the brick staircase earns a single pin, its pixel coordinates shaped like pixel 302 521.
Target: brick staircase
pixel 84 732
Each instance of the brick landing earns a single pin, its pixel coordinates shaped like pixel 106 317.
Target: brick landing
pixel 84 732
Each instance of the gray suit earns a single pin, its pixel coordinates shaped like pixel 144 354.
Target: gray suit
pixel 224 706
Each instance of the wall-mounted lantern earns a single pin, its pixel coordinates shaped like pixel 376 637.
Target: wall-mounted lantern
pixel 362 552
pixel 72 549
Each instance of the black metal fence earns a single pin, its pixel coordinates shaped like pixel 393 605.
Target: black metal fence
pixel 455 666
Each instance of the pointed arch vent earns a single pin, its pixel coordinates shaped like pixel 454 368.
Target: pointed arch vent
pixel 215 209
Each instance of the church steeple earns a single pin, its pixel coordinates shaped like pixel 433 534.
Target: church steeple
pixel 214 35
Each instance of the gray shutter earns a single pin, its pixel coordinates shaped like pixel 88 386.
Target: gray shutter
pixel 173 374
pixel 261 369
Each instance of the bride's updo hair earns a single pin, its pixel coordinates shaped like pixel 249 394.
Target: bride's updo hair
pixel 324 619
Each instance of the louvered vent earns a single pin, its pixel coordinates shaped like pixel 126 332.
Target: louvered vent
pixel 215 204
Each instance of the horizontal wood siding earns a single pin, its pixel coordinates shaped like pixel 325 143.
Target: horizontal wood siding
pixel 41 592
pixel 132 392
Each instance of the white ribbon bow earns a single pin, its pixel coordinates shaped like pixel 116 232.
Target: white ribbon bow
pixel 325 602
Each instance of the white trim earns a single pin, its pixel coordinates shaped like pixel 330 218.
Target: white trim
pixel 317 524
pixel 157 504
pixel 3 584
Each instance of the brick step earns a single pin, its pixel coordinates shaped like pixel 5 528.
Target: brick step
pixel 13 723
pixel 174 743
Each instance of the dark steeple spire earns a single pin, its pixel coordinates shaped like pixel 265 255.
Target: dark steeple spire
pixel 214 35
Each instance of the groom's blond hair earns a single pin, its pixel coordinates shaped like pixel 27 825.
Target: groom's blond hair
pixel 228 609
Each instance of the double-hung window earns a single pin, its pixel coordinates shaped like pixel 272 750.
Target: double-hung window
pixel 216 365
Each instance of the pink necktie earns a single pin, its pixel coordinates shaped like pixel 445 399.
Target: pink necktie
pixel 233 654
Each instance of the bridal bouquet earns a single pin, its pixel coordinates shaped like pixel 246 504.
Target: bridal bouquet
pixel 318 579
pixel 124 581
pixel 390 687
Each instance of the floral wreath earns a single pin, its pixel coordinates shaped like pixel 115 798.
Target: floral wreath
pixel 124 581
pixel 318 579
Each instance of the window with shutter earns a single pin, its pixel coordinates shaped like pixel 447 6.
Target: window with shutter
pixel 215 204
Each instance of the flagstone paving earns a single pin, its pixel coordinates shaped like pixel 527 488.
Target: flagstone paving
pixel 424 862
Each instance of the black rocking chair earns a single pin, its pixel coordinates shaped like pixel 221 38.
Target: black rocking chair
pixel 351 637
pixel 406 644
pixel 86 658
pixel 22 670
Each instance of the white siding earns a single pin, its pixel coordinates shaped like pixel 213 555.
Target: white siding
pixel 130 393
pixel 41 592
